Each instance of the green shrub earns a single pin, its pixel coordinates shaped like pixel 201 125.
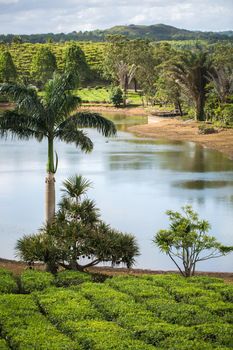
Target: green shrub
pixel 3 345
pixel 32 280
pixel 184 293
pixel 25 328
pixel 116 96
pixel 62 305
pixel 216 333
pixel 7 282
pixel 179 313
pixel 140 289
pixel 71 278
pixel 225 290
pixel 103 335
pixel 204 280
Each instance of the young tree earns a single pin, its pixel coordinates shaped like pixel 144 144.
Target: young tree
pixel 53 117
pixel 43 66
pixel 7 68
pixel 116 96
pixel 186 242
pixel 77 239
pixel 75 61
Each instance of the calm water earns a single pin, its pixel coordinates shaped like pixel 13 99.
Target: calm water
pixel 135 180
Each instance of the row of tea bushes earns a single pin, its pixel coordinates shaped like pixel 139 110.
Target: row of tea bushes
pixel 7 282
pixel 25 328
pixel 33 280
pixel 146 325
pixel 74 315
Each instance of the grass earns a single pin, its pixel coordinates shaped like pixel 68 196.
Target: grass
pixel 100 95
pixel 143 312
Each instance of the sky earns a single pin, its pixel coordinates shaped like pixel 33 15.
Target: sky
pixel 44 16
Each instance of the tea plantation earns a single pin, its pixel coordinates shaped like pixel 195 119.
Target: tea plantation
pixel 22 55
pixel 72 311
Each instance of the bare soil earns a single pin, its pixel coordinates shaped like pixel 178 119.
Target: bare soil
pixel 17 267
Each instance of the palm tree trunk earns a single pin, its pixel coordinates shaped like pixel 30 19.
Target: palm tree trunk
pixel 49 198
pixel 50 185
pixel 200 104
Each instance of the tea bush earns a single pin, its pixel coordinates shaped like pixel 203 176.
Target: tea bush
pixel 26 328
pixel 7 282
pixel 103 335
pixel 62 305
pixel 32 280
pixel 71 278
pixel 3 345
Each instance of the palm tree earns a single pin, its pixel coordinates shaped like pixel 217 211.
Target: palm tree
pixel 191 73
pixel 52 117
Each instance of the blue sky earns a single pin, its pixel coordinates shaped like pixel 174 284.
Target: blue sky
pixel 43 16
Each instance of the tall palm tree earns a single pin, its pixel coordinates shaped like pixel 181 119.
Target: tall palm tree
pixel 52 117
pixel 191 73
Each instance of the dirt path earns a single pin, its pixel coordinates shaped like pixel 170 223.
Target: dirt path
pixel 175 129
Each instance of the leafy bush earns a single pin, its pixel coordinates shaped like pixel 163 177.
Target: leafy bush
pixel 206 130
pixel 116 96
pixel 103 335
pixel 216 333
pixel 32 280
pixel 140 289
pixel 25 328
pixel 3 345
pixel 71 278
pixel 62 305
pixel 7 282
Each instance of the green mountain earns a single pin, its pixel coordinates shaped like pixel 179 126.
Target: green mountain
pixel 154 32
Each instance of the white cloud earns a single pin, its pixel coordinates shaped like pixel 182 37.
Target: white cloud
pixel 33 16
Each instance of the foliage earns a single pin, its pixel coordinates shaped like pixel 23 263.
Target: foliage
pixel 75 61
pixel 71 278
pixel 190 71
pixel 152 32
pixel 25 327
pixel 8 71
pixel 7 282
pixel 32 280
pixel 43 66
pixel 126 312
pixel 77 238
pixel 186 242
pixel 116 96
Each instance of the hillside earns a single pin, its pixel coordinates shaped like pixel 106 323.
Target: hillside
pixel 154 32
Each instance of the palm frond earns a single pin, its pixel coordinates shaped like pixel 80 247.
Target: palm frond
pixel 25 98
pixel 94 120
pixel 19 125
pixel 76 186
pixel 70 134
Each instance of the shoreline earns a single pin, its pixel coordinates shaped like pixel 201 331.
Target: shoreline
pixel 172 128
pixel 178 130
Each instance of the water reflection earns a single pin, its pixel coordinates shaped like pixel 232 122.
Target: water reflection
pixel 135 180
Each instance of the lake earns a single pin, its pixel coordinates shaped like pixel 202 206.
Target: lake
pixel 135 180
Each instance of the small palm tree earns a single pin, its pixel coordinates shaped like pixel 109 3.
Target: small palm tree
pixel 191 73
pixel 52 117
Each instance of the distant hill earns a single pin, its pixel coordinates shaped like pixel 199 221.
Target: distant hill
pixel 156 32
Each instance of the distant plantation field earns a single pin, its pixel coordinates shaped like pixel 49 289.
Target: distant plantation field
pixel 71 311
pixel 101 95
pixel 22 55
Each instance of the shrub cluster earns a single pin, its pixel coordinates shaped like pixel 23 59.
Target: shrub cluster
pixel 75 316
pixel 7 282
pixel 33 280
pixel 71 278
pixel 26 328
